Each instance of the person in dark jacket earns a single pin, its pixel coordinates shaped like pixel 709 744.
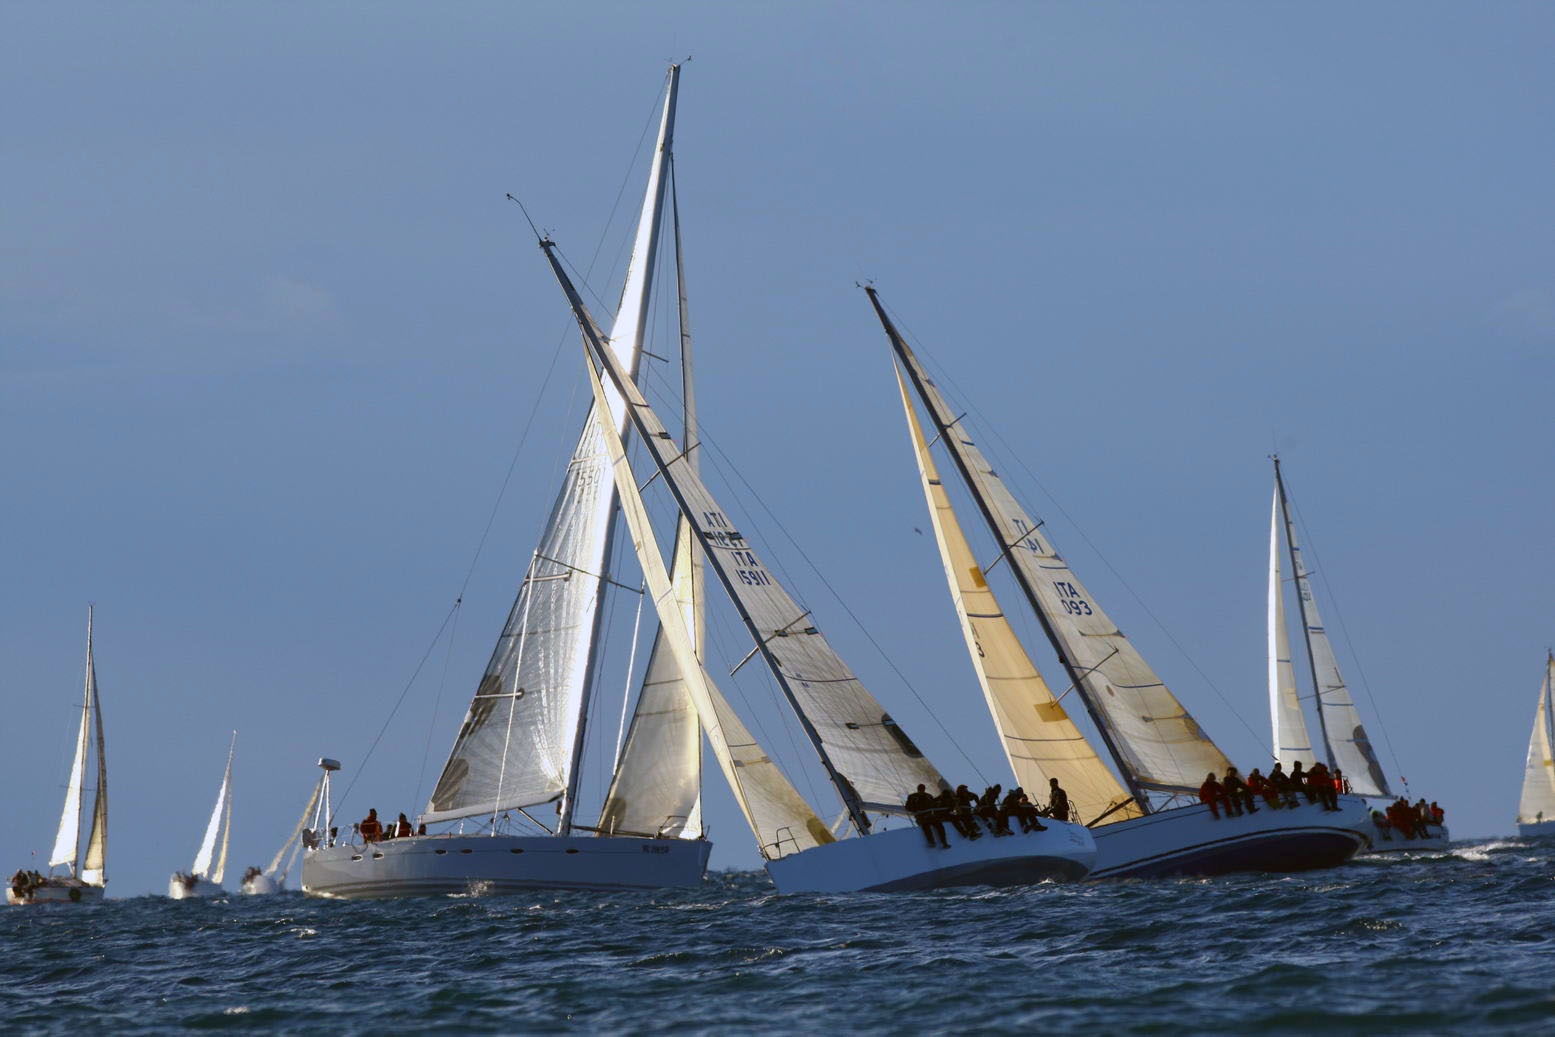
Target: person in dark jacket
pixel 922 808
pixel 1057 801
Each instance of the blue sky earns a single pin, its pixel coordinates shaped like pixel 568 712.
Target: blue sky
pixel 269 336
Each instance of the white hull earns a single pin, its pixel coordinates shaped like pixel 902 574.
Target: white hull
pixel 179 890
pixel 1191 841
pixel 1385 840
pixel 483 865
pixel 66 891
pixel 260 885
pixel 900 860
pixel 1536 829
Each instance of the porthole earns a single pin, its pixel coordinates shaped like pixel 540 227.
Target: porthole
pixel 571 850
pixel 377 856
pixel 466 851
pixel 357 857
pixel 515 850
pixel 439 852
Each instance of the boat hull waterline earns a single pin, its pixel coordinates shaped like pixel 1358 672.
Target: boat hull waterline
pixel 1191 841
pixel 484 865
pixel 1537 829
pixel 900 861
pixel 178 889
pixel 260 885
pixel 69 891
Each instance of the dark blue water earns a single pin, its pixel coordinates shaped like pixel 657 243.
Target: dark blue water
pixel 1459 942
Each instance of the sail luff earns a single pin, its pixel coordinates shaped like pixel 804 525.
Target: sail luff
pixel 1343 735
pixel 777 815
pixel 94 867
pixel 1039 739
pixel 1537 803
pixel 67 841
pixel 1287 722
pixel 1153 739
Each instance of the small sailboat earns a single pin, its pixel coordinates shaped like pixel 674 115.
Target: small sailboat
pixel 1151 823
pixel 1536 810
pixel 261 881
pixel 83 878
pixel 1347 748
pixel 520 748
pixel 210 863
pixel 867 757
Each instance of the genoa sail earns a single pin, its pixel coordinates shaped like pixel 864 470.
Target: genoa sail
pixel 522 736
pixel 67 841
pixel 1291 741
pixel 1039 739
pixel 205 862
pixel 1537 804
pixel 1156 743
pixel 294 841
pixel 1348 746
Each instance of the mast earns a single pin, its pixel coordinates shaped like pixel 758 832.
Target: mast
pixel 1298 571
pixel 631 321
pixel 1074 673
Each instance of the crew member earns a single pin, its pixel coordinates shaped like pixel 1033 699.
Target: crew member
pixel 370 827
pixel 921 806
pixel 1057 801
pixel 1211 794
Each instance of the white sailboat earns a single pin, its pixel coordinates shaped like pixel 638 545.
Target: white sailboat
pixel 1536 809
pixel 521 744
pixel 1346 745
pixel 83 878
pixel 203 879
pixel 272 879
pixel 1151 823
pixel 868 758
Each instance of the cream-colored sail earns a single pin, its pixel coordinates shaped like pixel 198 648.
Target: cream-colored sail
pixel 1291 741
pixel 1039 738
pixel 1538 800
pixel 226 837
pixel 274 870
pixel 778 815
pixel 94 867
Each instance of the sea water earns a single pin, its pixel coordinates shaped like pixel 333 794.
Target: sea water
pixel 1453 942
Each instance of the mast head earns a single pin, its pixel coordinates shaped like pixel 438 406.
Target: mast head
pixel 327 765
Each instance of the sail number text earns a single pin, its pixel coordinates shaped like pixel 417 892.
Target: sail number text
pixel 748 568
pixel 1070 599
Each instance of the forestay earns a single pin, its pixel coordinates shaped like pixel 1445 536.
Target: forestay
pixel 1154 739
pixel 1538 800
pixel 1039 739
pixel 1291 741
pixel 869 758
pixel 521 738
pixel 1348 747
pixel 779 817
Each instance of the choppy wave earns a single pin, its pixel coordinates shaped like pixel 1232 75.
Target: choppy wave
pixel 1456 941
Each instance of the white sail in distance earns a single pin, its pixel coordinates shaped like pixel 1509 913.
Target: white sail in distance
pixel 1537 804
pixel 868 757
pixel 523 733
pixel 1040 740
pixel 1348 746
pixel 778 815
pixel 1155 742
pixel 67 840
pixel 1289 724
pixel 295 838
pixel 205 858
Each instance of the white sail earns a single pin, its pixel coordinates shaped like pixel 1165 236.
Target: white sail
pixel 868 756
pixel 67 841
pixel 94 868
pixel 204 859
pixel 1291 741
pixel 1155 741
pixel 657 786
pixel 292 840
pixel 1039 739
pixel 521 738
pixel 778 815
pixel 1348 746
pixel 1537 804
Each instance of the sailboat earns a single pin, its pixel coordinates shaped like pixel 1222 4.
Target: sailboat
pixel 83 878
pixel 1536 810
pixel 1150 823
pixel 1346 745
pixel 520 747
pixel 868 758
pixel 203 879
pixel 272 879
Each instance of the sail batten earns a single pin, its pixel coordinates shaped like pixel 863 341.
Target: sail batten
pixel 1537 803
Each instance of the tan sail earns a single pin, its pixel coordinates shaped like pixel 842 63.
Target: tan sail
pixel 1039 738
pixel 1538 800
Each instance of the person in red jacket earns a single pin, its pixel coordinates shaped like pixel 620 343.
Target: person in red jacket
pixel 1258 785
pixel 1212 795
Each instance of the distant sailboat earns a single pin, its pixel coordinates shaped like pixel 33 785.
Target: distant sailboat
pixel 1345 742
pixel 867 756
pixel 83 879
pixel 210 862
pixel 1536 810
pixel 1151 823
pixel 521 745
pixel 272 879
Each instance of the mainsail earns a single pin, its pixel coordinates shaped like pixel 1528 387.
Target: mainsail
pixel 218 826
pixel 67 841
pixel 1538 800
pixel 1348 746
pixel 521 739
pixel 1291 741
pixel 869 758
pixel 1154 740
pixel 94 868
pixel 1039 739
pixel 778 815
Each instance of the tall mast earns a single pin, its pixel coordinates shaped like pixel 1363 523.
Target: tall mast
pixel 1074 673
pixel 1298 572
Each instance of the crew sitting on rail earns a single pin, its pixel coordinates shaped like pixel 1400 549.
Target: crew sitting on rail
pixel 1438 815
pixel 1283 785
pixel 370 827
pixel 1212 795
pixel 1018 805
pixel 1321 785
pixel 988 810
pixel 1238 795
pixel 1057 801
pixel 922 807
pixel 965 816
pixel 1258 785
pixel 402 828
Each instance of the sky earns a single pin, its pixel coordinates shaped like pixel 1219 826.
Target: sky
pixel 271 337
